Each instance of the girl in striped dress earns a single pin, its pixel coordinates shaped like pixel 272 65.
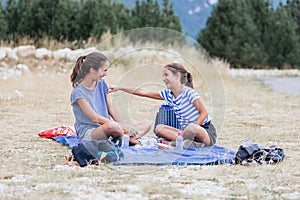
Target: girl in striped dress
pixel 197 128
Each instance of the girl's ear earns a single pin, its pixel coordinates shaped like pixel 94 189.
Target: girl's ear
pixel 92 70
pixel 178 75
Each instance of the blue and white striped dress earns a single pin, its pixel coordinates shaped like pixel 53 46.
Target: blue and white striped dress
pixel 184 109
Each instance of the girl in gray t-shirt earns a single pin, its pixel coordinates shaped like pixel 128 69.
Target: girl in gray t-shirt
pixel 87 73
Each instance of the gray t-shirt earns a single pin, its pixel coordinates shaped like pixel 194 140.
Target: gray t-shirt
pixel 82 122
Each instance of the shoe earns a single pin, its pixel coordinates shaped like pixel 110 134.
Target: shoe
pixel 117 141
pixel 192 144
pixel 111 156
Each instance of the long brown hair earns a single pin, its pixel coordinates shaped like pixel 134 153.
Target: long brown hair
pixel 186 77
pixel 83 65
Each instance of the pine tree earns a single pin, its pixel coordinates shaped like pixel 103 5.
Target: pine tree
pixel 87 18
pixel 43 12
pixel 149 14
pixel 237 31
pixel 121 16
pixel 112 17
pixel 169 19
pixel 66 23
pixel 285 45
pixel 293 8
pixel 12 17
pixel 3 24
pixel 27 24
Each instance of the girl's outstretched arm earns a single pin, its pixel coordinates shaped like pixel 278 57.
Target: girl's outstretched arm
pixel 137 91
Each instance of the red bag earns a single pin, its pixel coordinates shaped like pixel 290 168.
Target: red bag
pixel 57 131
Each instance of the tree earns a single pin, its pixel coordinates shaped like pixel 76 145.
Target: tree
pixel 81 19
pixel 86 17
pixel 27 25
pixel 12 17
pixel 233 32
pixel 149 14
pixel 293 8
pixel 97 17
pixel 3 24
pixel 108 18
pixel 43 12
pixel 122 17
pixel 285 45
pixel 169 19
pixel 65 23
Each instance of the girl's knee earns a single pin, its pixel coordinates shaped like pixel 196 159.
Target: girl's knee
pixel 188 135
pixel 191 132
pixel 111 125
pixel 192 128
pixel 114 128
pixel 159 128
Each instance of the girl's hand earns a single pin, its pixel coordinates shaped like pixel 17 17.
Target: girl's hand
pixel 132 132
pixel 129 129
pixel 113 88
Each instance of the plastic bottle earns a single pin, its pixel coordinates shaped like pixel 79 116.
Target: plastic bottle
pixel 179 142
pixel 152 142
pixel 148 142
pixel 125 140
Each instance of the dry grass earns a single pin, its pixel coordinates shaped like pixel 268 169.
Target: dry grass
pixel 34 168
pixel 53 44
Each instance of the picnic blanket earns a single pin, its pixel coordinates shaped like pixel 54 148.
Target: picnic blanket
pixel 212 155
pixel 108 152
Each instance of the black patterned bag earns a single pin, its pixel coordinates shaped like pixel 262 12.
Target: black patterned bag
pixel 251 153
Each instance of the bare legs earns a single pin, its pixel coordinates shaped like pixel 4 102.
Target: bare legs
pixel 141 128
pixel 196 133
pixel 106 130
pixel 192 132
pixel 114 130
pixel 167 132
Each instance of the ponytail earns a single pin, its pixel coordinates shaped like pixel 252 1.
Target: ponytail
pixel 77 75
pixel 189 80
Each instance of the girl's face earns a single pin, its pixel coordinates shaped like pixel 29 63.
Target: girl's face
pixel 101 72
pixel 170 79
